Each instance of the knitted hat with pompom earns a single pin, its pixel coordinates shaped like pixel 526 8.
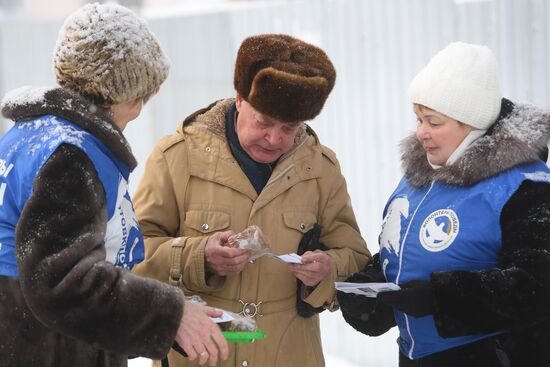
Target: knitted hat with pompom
pixel 107 53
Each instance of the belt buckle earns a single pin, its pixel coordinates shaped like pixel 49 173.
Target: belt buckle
pixel 250 309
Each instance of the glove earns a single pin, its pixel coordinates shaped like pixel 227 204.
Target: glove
pixel 310 242
pixel 415 298
pixel 366 315
pixel 355 305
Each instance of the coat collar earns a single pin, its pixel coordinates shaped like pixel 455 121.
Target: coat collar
pixel 29 102
pixel 212 118
pixel 521 132
pixel 210 157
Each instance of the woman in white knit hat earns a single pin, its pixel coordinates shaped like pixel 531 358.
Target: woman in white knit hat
pixel 466 233
pixel 68 231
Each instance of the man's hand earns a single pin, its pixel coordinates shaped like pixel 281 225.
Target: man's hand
pixel 314 268
pixel 223 261
pixel 201 337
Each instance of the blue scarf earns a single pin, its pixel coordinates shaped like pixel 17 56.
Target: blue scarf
pixel 257 173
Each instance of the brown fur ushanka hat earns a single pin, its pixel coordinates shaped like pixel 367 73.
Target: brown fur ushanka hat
pixel 283 77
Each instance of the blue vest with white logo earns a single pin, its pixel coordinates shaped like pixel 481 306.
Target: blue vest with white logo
pixel 23 151
pixel 444 228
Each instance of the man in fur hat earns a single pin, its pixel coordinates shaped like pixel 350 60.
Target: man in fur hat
pixel 251 160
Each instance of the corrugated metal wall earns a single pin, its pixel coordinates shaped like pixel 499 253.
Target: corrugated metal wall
pixel 377 46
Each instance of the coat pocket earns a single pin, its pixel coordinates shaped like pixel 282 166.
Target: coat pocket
pixel 206 221
pixel 300 221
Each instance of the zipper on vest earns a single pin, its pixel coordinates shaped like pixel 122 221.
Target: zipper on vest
pixel 401 250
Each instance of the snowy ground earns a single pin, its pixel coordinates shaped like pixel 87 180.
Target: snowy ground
pixel 331 361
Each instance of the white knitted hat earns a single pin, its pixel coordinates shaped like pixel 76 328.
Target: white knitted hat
pixel 108 54
pixel 461 81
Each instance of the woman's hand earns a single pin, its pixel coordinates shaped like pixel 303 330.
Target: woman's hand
pixel 201 337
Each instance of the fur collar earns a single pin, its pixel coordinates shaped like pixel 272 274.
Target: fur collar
pixel 29 102
pixel 521 132
pixel 213 119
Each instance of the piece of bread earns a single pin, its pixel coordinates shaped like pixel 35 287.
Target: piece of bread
pixel 251 238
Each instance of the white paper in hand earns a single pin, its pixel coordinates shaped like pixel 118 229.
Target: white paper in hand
pixel 290 258
pixel 224 317
pixel 366 289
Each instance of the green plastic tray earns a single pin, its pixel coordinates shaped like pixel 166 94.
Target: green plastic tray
pixel 243 336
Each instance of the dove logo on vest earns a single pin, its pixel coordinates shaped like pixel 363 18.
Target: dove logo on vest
pixel 439 230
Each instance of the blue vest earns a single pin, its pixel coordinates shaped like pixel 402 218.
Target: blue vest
pixel 23 151
pixel 443 228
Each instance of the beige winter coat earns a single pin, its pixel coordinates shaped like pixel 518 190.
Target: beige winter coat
pixel 193 187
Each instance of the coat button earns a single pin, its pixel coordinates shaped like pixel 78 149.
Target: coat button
pixel 302 226
pixel 245 364
pixel 205 226
pixel 208 149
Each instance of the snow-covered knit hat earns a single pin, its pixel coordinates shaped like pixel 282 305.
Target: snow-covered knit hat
pixel 460 81
pixel 107 53
pixel 283 77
